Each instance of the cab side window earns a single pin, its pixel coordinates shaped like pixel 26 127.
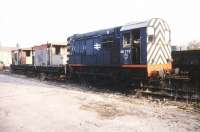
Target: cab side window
pixel 126 39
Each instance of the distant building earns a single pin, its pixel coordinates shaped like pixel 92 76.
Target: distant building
pixel 6 56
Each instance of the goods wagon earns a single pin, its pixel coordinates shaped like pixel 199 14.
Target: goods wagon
pixel 50 54
pixel 22 56
pixel 187 61
pixel 6 56
pixel 47 59
pixel 186 65
pixel 134 51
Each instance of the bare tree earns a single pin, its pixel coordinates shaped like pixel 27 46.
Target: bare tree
pixel 194 45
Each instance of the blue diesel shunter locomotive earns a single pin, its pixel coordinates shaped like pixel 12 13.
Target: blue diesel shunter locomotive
pixel 135 51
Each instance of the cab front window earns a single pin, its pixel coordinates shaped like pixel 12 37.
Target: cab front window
pixel 150 33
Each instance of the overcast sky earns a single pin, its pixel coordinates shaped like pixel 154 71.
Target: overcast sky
pixel 33 22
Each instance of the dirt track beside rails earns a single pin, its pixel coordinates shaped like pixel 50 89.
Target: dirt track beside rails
pixel 28 105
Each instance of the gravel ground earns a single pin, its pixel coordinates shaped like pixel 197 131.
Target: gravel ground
pixel 28 105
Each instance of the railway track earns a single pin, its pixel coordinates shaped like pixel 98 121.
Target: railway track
pixel 176 88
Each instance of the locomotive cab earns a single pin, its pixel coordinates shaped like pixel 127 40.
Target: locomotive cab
pixel 131 40
pixel 133 44
pixel 147 43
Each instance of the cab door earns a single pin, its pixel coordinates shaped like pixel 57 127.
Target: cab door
pixel 135 46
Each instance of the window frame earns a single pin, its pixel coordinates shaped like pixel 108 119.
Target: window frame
pixel 56 52
pixel 152 35
pixel 28 53
pixel 123 36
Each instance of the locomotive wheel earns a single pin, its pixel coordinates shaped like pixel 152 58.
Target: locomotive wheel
pixel 42 76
